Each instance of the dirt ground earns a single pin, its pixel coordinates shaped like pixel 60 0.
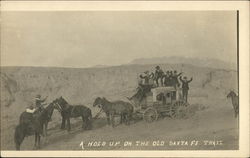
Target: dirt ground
pixel 211 126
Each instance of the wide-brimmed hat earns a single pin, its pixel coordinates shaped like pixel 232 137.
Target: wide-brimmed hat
pixel 185 77
pixel 38 96
pixel 157 67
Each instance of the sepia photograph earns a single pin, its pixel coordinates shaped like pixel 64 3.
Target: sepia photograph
pixel 148 80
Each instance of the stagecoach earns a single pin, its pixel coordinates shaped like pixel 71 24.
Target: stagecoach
pixel 161 101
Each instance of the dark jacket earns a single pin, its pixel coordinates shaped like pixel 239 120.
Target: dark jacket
pixel 185 85
pixel 158 73
pixel 39 102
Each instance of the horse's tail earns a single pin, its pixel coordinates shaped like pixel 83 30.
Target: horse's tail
pixel 90 118
pixel 18 136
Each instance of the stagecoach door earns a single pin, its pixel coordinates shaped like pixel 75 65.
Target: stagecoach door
pixel 168 98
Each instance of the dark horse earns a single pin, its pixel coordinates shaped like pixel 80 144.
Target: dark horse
pixel 72 111
pixel 235 102
pixel 120 108
pixel 30 124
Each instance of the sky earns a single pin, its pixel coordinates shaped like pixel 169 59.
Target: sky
pixel 89 38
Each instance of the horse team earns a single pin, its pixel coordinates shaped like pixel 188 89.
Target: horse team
pixel 37 123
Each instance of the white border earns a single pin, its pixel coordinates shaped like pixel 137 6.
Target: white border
pixel 243 8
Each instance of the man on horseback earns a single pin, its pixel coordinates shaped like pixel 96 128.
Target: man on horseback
pixel 39 102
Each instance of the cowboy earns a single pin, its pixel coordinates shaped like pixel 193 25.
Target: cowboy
pixel 171 79
pixel 167 79
pixel 146 77
pixel 39 102
pixel 185 87
pixel 175 79
pixel 159 75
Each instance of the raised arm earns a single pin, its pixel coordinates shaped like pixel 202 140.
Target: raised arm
pixel 179 74
pixel 142 76
pixel 181 79
pixel 152 75
pixel 190 79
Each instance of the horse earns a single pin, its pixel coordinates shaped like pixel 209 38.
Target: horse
pixel 120 108
pixel 235 102
pixel 33 124
pixel 73 111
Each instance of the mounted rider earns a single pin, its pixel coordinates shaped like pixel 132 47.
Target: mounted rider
pixel 39 102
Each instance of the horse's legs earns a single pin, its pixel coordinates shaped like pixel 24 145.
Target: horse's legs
pixel 68 124
pixel 112 120
pixel 122 118
pixel 38 138
pixel 236 111
pixel 108 118
pixel 45 127
pixel 128 118
pixel 89 123
pixel 35 146
pixel 63 123
pixel 83 122
pixel 19 136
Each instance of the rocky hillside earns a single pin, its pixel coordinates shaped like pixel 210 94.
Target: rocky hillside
pixel 78 85
pixel 19 86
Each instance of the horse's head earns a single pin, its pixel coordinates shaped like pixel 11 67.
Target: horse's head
pixel 62 101
pixel 56 105
pixel 231 94
pixel 98 102
pixel 50 108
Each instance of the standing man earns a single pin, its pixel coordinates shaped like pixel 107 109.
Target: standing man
pixel 175 79
pixel 40 102
pixel 185 87
pixel 167 79
pixel 146 77
pixel 158 75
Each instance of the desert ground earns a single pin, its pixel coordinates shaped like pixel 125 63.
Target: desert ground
pixel 211 117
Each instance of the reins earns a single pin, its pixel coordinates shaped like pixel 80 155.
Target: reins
pixel 97 115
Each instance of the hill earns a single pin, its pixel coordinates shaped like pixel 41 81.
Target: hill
pixel 19 86
pixel 210 63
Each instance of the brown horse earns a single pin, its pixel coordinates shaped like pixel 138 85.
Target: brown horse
pixel 117 108
pixel 30 124
pixel 235 102
pixel 73 111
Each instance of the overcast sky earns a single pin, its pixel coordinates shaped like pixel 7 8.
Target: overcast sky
pixel 83 39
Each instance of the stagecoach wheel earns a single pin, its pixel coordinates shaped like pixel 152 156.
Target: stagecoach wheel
pixel 150 115
pixel 172 111
pixel 181 103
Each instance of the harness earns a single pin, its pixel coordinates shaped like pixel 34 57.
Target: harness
pixel 98 114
